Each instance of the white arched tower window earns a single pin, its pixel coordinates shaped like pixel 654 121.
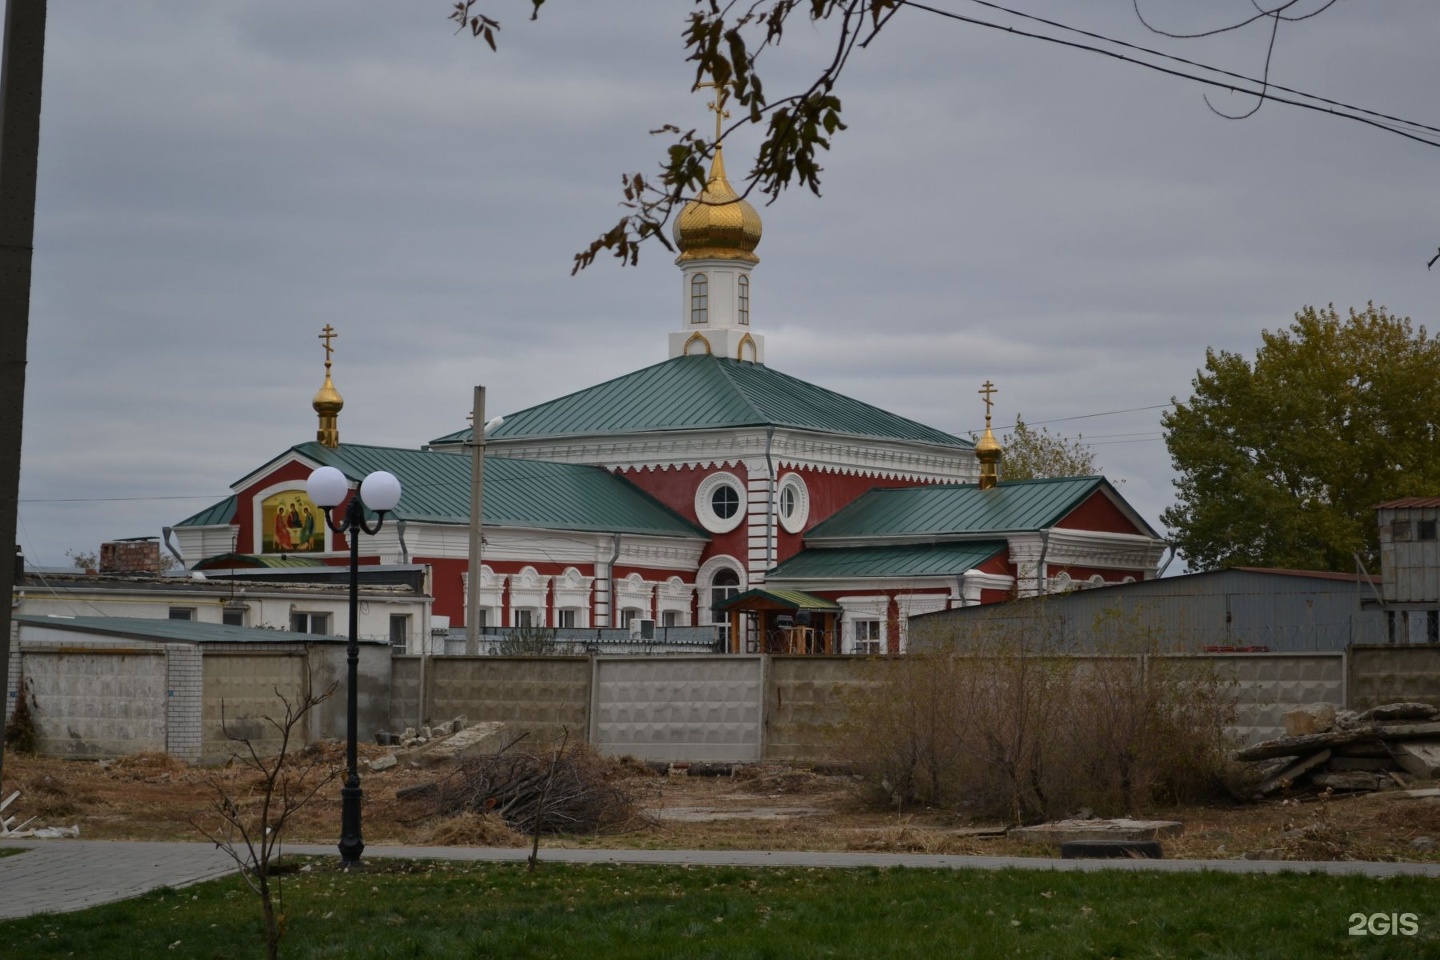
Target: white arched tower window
pixel 699 298
pixel 744 296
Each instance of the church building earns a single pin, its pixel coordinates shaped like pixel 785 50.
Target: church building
pixel 709 488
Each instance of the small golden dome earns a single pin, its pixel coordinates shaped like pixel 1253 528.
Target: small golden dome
pixel 718 225
pixel 327 398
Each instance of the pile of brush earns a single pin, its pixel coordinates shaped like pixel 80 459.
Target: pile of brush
pixel 565 791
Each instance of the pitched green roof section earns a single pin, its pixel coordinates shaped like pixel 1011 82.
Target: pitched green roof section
pixel 958 509
pixel 706 392
pixel 435 487
pixel 215 515
pixel 916 560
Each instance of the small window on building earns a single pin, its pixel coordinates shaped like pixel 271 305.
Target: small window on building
pixel 182 613
pixel 1400 531
pixel 699 299
pixel 565 618
pixel 1425 530
pixel 745 300
pixel 725 501
pixel 233 616
pixel 399 630
pixel 867 636
pixel 670 618
pixel 316 623
pixel 524 619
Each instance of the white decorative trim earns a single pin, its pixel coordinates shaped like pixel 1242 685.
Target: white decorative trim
pixel 572 592
pixel 527 592
pixel 705 582
pixel 678 596
pixel 634 592
pixel 793 485
pixel 912 461
pixel 974 581
pixel 862 608
pixel 705 512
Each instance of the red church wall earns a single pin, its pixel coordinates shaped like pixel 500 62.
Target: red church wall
pixel 1100 514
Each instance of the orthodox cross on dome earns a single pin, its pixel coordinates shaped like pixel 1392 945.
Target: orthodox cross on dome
pixel 327 335
pixel 988 390
pixel 718 104
pixel 987 448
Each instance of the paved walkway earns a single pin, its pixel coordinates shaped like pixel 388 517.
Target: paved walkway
pixel 62 875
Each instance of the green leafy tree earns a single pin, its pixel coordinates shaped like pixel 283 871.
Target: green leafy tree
pixel 1281 459
pixel 1030 454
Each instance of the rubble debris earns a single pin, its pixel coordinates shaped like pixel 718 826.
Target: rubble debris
pixel 1311 718
pixel 1354 753
pixel 1063 831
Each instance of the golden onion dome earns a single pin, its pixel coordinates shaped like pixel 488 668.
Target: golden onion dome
pixel 718 225
pixel 327 398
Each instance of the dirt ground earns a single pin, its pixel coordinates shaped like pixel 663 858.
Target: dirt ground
pixel 763 806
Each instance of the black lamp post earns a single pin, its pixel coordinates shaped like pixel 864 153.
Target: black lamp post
pixel 380 491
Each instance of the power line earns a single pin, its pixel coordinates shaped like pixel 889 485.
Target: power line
pixel 1346 111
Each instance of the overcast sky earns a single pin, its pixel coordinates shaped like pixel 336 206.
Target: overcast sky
pixel 220 180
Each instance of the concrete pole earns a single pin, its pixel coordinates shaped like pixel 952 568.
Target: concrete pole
pixel 477 510
pixel 21 69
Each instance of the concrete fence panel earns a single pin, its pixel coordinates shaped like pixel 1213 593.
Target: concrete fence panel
pixel 536 696
pixel 1268 685
pixel 242 698
pixel 808 699
pixel 679 707
pixel 96 702
pixel 1392 673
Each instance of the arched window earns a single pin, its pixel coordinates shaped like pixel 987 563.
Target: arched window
pixel 699 299
pixel 745 300
pixel 725 585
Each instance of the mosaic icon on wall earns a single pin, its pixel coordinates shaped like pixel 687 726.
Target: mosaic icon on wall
pixel 291 523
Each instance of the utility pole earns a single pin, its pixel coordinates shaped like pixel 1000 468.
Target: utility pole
pixel 21 68
pixel 477 510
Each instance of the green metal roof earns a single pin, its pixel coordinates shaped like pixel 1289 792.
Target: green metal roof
pixel 790 599
pixel 172 631
pixel 435 487
pixel 912 560
pixel 707 392
pixel 961 508
pixel 214 515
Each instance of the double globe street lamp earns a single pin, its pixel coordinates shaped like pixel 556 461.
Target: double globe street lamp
pixel 379 492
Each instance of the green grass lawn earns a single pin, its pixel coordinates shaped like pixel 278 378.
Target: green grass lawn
pixel 402 909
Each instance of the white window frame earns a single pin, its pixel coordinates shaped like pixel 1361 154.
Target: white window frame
pixel 704 507
pixel 793 485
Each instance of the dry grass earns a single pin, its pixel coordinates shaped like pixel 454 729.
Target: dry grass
pixel 153 798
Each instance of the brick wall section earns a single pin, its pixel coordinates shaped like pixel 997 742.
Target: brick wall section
pixel 184 676
pixel 1387 674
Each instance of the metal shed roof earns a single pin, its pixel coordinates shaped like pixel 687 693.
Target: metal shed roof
pixel 175 631
pixel 707 392
pixel 789 599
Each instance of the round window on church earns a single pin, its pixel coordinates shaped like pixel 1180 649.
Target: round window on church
pixel 720 502
pixel 725 502
pixel 794 503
